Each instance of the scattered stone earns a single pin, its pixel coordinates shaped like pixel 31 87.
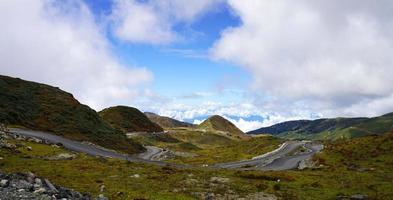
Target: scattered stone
pixel 29 148
pixel 219 180
pixel 36 140
pixel 135 176
pixel 61 156
pixel 51 187
pixel 359 197
pixel 102 188
pixel 20 186
pixel 3 183
pixel 101 197
pixel 191 181
pixel 40 190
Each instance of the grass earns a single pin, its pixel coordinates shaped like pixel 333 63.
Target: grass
pixel 339 176
pixel 129 119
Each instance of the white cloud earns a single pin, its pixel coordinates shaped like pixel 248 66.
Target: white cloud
pixel 153 21
pixel 58 43
pixel 246 116
pixel 246 125
pixel 332 54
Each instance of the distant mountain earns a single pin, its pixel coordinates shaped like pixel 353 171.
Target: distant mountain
pixel 129 119
pixel 167 122
pixel 218 123
pixel 46 108
pixel 330 128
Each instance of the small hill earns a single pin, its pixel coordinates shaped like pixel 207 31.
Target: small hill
pixel 218 123
pixel 167 122
pixel 334 128
pixel 46 108
pixel 129 119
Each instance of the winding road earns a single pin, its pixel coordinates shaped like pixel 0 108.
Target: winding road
pixel 279 159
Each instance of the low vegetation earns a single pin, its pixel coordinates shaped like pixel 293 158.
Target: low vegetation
pixel 335 128
pixel 218 123
pixel 129 119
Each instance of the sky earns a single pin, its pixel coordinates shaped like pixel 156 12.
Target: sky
pixel 255 62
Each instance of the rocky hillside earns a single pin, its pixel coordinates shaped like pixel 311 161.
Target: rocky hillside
pixel 167 122
pixel 218 123
pixel 29 186
pixel 129 119
pixel 46 108
pixel 330 128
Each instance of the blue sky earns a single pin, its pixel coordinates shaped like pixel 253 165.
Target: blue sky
pixel 256 62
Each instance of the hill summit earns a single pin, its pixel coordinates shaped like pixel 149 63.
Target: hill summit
pixel 129 119
pixel 45 108
pixel 218 123
pixel 166 122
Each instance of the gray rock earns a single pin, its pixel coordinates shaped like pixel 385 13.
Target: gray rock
pixel 21 184
pixel 40 190
pixel 219 180
pixel 101 197
pixel 359 197
pixel 3 183
pixel 62 156
pixel 51 187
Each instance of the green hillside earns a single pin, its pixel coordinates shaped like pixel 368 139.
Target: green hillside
pixel 334 128
pixel 218 123
pixel 46 108
pixel 167 122
pixel 129 119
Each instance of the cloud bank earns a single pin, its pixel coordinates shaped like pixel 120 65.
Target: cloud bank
pixel 333 56
pixel 154 21
pixel 58 43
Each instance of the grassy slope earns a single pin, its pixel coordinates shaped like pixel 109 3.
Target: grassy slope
pixel 42 107
pixel 129 119
pixel 335 128
pixel 211 147
pixel 218 123
pixel 340 176
pixel 166 122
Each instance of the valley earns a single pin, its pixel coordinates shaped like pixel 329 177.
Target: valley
pixel 123 153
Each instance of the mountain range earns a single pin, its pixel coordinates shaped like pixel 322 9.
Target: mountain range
pixel 333 128
pixel 167 122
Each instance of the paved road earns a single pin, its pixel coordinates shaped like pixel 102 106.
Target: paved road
pixel 291 162
pixel 276 160
pixel 264 160
pixel 150 153
pixel 84 148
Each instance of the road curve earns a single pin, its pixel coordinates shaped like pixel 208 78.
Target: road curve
pixel 291 162
pixel 278 159
pixel 288 148
pixel 275 160
pixel 85 148
pixel 150 153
